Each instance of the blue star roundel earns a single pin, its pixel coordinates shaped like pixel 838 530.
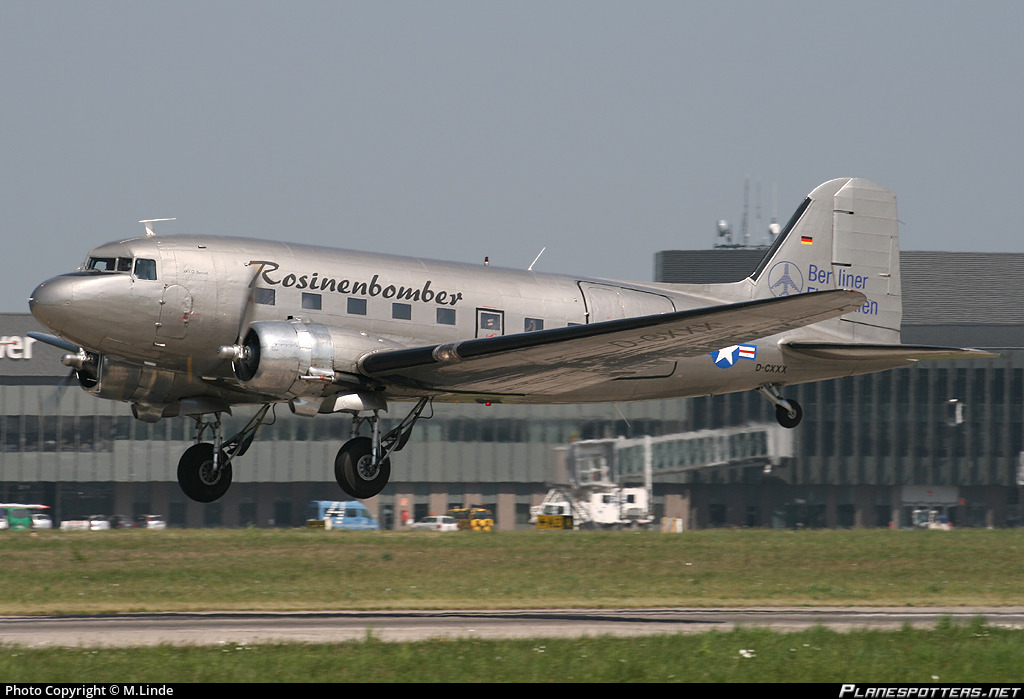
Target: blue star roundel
pixel 727 356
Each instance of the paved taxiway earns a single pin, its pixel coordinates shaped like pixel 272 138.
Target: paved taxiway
pixel 207 628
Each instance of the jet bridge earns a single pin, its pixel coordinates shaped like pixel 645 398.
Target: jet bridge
pixel 591 483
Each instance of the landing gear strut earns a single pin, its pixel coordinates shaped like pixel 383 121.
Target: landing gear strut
pixel 204 470
pixel 787 411
pixel 363 465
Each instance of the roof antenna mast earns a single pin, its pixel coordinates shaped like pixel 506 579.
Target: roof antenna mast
pixel 148 223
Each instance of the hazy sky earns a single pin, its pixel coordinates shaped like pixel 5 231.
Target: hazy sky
pixel 603 131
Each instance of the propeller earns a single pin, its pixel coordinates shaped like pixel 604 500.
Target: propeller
pixel 50 404
pixel 244 353
pixel 85 365
pixel 54 341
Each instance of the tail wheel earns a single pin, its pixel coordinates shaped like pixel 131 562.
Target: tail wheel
pixel 356 472
pixel 199 478
pixel 789 419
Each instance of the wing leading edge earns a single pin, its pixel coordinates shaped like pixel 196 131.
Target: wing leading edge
pixel 557 360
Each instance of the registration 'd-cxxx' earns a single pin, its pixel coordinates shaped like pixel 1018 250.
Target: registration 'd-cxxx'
pixel 193 325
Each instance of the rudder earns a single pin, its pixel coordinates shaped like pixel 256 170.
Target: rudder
pixel 843 236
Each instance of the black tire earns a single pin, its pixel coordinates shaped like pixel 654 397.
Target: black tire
pixel 785 419
pixel 355 472
pixel 196 477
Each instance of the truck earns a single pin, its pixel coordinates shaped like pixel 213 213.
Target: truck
pixel 594 507
pixel 339 514
pixel 590 488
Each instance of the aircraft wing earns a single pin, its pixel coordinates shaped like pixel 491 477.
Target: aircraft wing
pixel 561 359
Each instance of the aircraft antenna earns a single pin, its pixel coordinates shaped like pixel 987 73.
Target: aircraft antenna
pixel 746 198
pixel 148 223
pixel 530 268
pixel 774 228
pixel 629 427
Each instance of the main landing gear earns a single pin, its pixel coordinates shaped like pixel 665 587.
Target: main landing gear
pixel 787 411
pixel 204 470
pixel 363 465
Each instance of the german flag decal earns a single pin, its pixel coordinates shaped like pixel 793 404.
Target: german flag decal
pixel 806 240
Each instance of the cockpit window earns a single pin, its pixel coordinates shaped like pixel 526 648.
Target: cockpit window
pixel 110 264
pixel 145 269
pixel 102 264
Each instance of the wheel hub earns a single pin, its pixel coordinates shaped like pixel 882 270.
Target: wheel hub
pixel 366 468
pixel 208 474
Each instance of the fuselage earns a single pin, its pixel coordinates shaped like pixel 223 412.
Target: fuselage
pixel 157 308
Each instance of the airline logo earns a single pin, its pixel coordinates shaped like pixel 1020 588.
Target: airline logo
pixel 785 279
pixel 726 357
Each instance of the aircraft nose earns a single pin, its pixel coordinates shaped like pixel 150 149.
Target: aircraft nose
pixel 50 303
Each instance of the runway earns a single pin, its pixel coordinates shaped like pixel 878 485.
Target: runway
pixel 211 628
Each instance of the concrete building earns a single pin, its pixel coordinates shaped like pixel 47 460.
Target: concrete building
pixel 941 435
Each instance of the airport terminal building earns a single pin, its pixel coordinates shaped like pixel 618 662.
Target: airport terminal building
pixel 941 435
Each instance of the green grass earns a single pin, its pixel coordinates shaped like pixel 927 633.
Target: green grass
pixel 260 569
pixel 950 653
pixel 187 570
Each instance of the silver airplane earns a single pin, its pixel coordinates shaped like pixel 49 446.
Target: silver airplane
pixel 194 325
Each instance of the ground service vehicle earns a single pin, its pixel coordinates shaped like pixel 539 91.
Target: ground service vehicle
pixel 608 508
pixel 339 514
pixel 18 516
pixel 475 517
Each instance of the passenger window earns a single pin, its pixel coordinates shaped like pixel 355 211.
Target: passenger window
pixel 533 324
pixel 401 311
pixel 145 269
pixel 264 297
pixel 311 302
pixel 357 306
pixel 446 316
pixel 489 323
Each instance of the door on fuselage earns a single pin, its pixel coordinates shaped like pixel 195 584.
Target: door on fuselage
pixel 609 302
pixel 175 299
pixel 175 311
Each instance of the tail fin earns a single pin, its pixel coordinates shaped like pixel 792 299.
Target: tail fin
pixel 843 236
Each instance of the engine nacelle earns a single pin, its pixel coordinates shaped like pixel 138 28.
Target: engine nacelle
pixel 294 359
pixel 109 378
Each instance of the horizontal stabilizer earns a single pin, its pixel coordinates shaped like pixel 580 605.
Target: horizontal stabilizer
pixel 868 352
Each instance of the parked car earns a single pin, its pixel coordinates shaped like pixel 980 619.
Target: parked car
pixel 42 521
pixel 437 523
pixel 98 522
pixel 150 522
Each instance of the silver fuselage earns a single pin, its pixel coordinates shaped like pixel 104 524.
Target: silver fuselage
pixel 158 326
